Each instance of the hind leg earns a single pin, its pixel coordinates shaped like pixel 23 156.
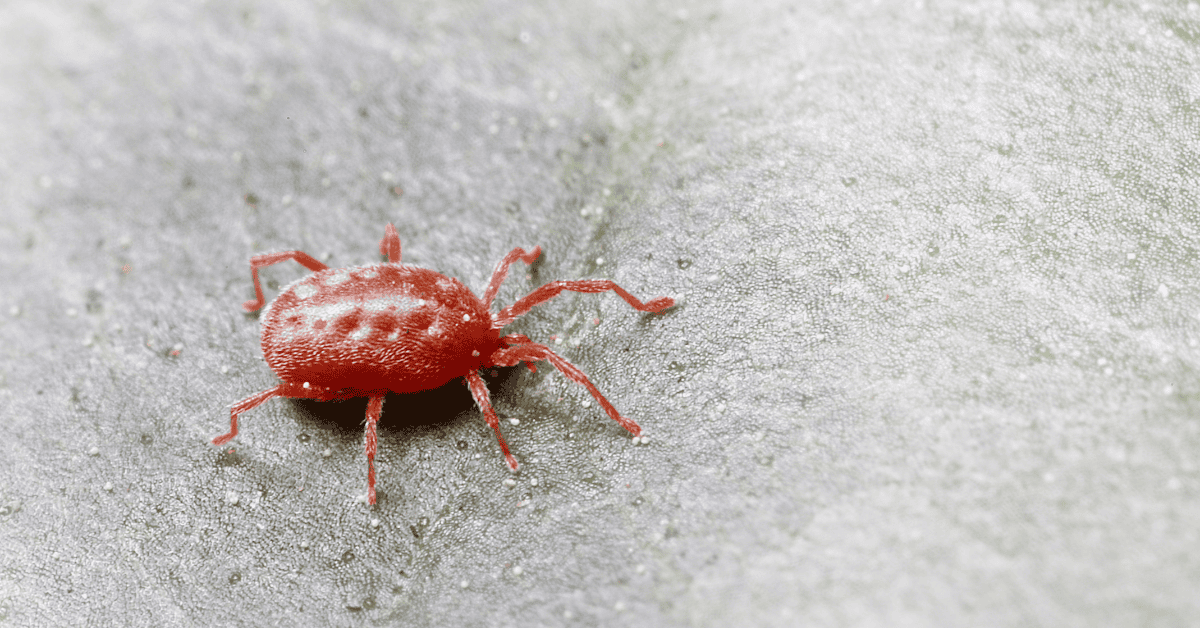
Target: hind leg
pixel 286 389
pixel 267 259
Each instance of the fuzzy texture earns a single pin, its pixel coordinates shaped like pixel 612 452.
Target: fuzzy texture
pixel 389 327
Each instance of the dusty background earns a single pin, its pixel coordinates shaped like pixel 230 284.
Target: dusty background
pixel 935 364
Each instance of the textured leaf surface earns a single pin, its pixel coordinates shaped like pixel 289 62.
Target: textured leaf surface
pixel 935 361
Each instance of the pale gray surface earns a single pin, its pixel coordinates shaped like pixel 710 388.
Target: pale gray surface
pixel 936 360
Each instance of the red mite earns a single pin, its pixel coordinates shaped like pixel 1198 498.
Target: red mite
pixel 364 331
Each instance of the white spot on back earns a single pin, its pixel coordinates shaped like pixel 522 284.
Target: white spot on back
pixel 328 312
pixel 360 333
pixel 394 335
pixel 466 318
pixel 340 276
pixel 304 290
pixel 385 303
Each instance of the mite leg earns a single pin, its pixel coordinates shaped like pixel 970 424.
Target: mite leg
pixel 374 409
pixel 390 245
pixel 528 351
pixel 480 392
pixel 245 405
pixel 291 390
pixel 501 271
pixel 552 289
pixel 267 259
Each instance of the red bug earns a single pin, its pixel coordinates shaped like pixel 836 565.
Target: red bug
pixel 364 331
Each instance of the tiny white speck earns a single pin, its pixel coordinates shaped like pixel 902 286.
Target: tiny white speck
pixel 307 385
pixel 586 404
pixel 466 318
pixel 599 261
pixel 1101 362
pixel 475 353
pixel 558 340
pixel 1131 256
pixel 568 614
pixel 514 421
pixel 108 486
pixel 1168 390
pixel 1163 290
pixel 420 302
pixel 303 544
pixel 360 333
pixel 375 523
pixel 619 606
pixel 94 451
pixel 326 453
pixel 533 482
pixel 517 570
pixel 394 335
pixel 640 569
pixel 464 584
pixel 224 369
pixel 14 310
pixel 510 482
pixel 72 312
pixel 1108 370
pixel 232 498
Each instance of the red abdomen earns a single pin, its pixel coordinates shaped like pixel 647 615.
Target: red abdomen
pixel 377 327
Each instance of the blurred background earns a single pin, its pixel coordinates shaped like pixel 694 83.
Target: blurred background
pixel 934 361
